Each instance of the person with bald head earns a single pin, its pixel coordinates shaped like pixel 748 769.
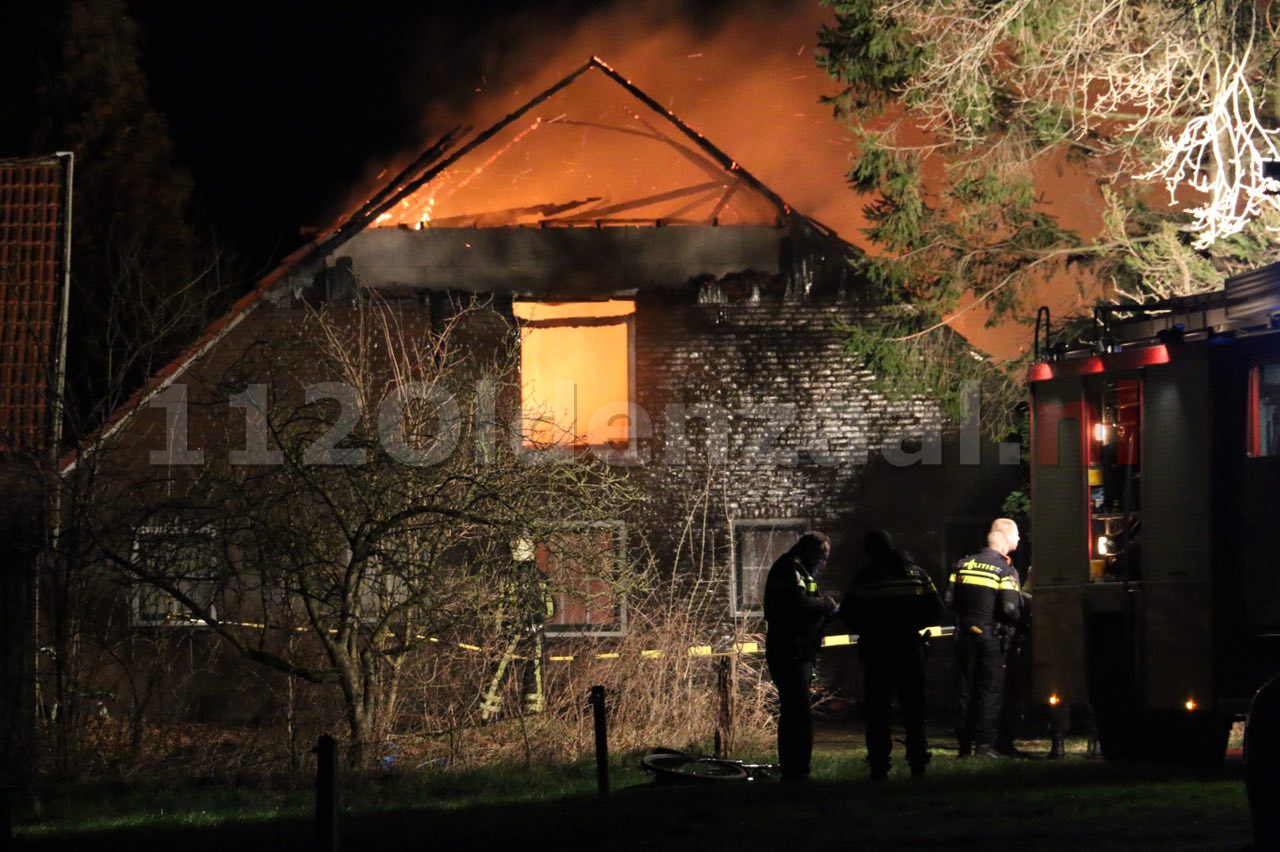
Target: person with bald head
pixel 1010 529
pixel 983 591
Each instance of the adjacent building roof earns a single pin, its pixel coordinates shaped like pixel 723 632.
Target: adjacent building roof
pixel 34 208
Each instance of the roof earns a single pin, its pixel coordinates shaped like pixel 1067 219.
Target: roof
pixel 1247 302
pixel 34 201
pixel 399 203
pixel 593 150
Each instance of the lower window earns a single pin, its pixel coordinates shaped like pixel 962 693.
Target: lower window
pixel 185 560
pixel 756 546
pixel 583 570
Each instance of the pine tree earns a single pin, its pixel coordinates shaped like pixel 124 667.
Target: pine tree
pixel 1158 115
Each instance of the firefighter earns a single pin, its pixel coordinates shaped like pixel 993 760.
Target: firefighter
pixel 527 606
pixel 983 591
pixel 795 614
pixel 890 602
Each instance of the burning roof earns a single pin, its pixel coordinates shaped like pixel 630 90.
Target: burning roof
pixel 591 150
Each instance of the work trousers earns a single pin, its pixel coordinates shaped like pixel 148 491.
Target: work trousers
pixel 980 667
pixel 890 666
pixel 792 675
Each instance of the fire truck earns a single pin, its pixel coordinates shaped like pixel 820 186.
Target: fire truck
pixel 1155 477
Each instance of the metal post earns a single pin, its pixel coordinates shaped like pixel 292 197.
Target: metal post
pixel 6 819
pixel 1059 724
pixel 602 739
pixel 326 794
pixel 726 718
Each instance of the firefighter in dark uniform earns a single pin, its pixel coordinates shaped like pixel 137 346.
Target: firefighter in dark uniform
pixel 890 602
pixel 796 615
pixel 983 591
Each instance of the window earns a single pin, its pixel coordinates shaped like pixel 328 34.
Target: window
pixel 1264 410
pixel 756 546
pixel 1115 478
pixel 583 569
pixel 576 372
pixel 188 561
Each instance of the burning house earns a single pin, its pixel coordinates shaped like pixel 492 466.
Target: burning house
pixel 671 314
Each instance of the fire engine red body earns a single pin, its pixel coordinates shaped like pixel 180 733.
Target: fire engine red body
pixel 1155 512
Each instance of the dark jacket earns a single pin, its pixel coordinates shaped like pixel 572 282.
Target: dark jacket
pixel 891 600
pixel 794 610
pixel 983 591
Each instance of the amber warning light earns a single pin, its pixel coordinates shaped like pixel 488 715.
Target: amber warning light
pixel 1054 700
pixel 1191 705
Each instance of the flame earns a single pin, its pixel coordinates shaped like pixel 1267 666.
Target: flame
pixel 745 77
pixel 575 380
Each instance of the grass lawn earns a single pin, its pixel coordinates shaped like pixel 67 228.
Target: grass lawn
pixel 1074 803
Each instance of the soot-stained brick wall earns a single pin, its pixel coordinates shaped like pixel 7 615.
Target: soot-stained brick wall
pixel 761 401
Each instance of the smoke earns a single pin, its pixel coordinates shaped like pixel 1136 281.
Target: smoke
pixel 741 73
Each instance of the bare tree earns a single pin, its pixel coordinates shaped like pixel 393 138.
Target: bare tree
pixel 357 487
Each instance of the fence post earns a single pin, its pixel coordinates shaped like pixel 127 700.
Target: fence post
pixel 727 689
pixel 326 794
pixel 6 818
pixel 602 739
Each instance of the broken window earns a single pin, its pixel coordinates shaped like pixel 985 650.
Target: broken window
pixel 757 545
pixel 187 561
pixel 1264 410
pixel 583 570
pixel 576 372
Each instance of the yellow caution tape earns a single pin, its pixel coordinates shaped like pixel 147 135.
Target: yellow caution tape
pixel 737 649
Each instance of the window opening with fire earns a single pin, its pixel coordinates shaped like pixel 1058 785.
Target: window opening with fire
pixel 576 377
pixel 1264 410
pixel 1115 478
pixel 583 568
pixel 757 545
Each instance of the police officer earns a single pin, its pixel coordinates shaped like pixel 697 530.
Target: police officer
pixel 983 591
pixel 1016 646
pixel 795 614
pixel 890 602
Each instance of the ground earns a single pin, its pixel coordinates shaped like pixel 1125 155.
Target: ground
pixel 1031 803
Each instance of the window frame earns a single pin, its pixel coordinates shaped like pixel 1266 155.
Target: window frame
pixel 140 588
pixel 626 455
pixel 799 526
pixel 1253 413
pixel 577 631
